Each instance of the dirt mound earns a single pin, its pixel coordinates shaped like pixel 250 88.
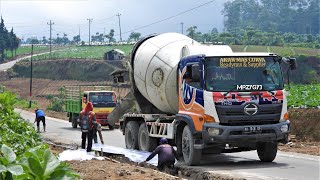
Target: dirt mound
pixel 69 69
pixel 305 123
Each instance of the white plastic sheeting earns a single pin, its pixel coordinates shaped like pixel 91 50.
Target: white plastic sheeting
pixel 81 154
pixel 133 155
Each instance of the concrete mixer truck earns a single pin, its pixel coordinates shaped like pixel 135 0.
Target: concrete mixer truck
pixel 205 98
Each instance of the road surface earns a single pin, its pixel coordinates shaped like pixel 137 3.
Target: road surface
pixel 291 166
pixel 5 66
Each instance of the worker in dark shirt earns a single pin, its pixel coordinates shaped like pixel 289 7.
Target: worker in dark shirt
pixel 166 155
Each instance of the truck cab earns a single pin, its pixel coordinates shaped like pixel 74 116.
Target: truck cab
pixel 103 104
pixel 102 98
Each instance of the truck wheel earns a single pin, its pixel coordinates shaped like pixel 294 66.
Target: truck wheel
pixel 110 127
pixel 146 143
pixel 267 151
pixel 191 156
pixel 131 135
pixel 74 122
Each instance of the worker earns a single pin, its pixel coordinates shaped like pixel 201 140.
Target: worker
pixel 97 129
pixel 87 123
pixel 40 116
pixel 166 155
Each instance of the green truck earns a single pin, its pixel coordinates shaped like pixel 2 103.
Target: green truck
pixel 102 98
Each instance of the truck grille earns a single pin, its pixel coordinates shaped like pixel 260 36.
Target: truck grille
pixel 234 115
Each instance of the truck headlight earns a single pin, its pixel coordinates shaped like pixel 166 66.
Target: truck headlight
pixel 213 131
pixel 284 128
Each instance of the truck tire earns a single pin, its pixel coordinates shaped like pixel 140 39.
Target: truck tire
pixel 131 135
pixel 110 127
pixel 191 156
pixel 74 122
pixel 146 143
pixel 267 151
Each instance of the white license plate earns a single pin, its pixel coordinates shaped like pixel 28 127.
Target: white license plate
pixel 252 129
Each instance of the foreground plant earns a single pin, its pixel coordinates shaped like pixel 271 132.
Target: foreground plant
pixel 38 163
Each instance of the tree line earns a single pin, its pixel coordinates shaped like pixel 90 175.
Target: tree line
pixel 252 36
pixel 295 16
pixel 8 41
pixel 98 37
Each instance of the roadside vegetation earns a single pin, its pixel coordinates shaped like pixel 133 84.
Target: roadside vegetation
pixel 304 96
pixel 23 50
pixel 22 154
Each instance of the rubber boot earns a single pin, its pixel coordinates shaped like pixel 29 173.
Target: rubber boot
pixel 38 129
pixel 44 128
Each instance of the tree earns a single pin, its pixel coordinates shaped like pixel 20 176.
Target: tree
pixel 4 39
pixel 134 36
pixel 110 36
pixel 44 40
pixel 192 32
pixel 76 39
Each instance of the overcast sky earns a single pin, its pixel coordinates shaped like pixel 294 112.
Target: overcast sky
pixel 30 17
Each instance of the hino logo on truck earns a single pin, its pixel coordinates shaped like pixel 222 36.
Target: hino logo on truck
pixel 250 109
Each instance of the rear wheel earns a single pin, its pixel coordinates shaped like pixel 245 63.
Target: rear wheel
pixel 191 156
pixel 267 151
pixel 146 143
pixel 110 127
pixel 131 135
pixel 74 121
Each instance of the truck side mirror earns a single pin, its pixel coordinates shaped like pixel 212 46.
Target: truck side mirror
pixel 293 63
pixel 196 73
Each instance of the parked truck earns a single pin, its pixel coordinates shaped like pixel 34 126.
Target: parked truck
pixel 102 98
pixel 205 98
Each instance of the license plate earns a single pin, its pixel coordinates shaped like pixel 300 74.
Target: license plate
pixel 252 129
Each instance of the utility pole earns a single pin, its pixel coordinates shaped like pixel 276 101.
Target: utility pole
pixel 90 20
pixel 51 23
pixel 30 94
pixel 181 28
pixel 119 26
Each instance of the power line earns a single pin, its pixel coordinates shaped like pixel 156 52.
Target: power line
pixel 169 17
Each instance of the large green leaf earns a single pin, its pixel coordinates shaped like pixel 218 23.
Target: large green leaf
pixel 15 169
pixel 50 162
pixel 35 167
pixel 8 153
pixel 2 168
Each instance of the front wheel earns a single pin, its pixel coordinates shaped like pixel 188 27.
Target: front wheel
pixel 191 156
pixel 267 151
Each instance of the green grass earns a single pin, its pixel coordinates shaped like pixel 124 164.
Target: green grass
pixel 84 52
pixel 257 49
pixel 26 50
pixel 237 48
pixel 282 51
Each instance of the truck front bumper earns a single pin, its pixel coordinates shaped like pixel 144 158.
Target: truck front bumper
pixel 247 134
pixel 103 122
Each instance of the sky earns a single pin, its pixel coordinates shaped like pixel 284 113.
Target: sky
pixel 30 18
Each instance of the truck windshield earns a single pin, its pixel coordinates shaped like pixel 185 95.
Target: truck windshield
pixel 224 74
pixel 102 99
